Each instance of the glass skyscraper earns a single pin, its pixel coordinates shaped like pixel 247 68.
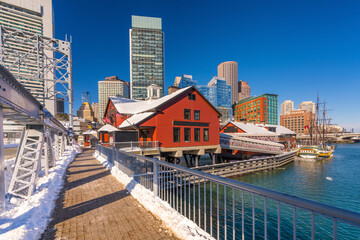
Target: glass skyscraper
pixel 217 91
pixel 146 55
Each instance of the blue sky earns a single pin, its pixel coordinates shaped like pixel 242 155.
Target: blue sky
pixel 290 48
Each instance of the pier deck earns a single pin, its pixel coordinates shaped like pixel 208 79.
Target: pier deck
pixel 94 205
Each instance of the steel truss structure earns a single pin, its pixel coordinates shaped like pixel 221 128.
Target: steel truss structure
pixel 42 64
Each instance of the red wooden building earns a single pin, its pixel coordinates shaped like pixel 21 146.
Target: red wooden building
pixel 184 122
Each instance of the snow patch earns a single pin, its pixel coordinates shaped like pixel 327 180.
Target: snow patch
pixel 181 226
pixel 28 219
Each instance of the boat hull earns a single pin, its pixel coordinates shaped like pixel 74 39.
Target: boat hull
pixel 308 152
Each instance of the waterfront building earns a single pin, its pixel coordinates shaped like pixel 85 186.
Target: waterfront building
pixel 285 135
pixel 183 122
pixel 244 90
pixel 146 55
pixel 260 109
pixel 298 121
pixel 286 107
pixel 229 71
pixel 35 17
pixel 241 132
pixel 85 112
pixel 111 86
pixel 307 106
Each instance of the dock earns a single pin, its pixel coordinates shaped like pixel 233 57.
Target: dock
pixel 241 167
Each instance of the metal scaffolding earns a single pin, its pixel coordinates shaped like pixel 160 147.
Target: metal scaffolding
pixel 42 64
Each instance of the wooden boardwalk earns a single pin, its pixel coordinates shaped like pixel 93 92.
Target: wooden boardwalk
pixel 94 205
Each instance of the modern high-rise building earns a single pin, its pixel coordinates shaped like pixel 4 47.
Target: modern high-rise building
pixel 217 91
pixel 229 71
pixel 260 109
pixel 286 107
pixel 184 81
pixel 85 97
pixel 146 55
pixel 244 90
pixel 35 17
pixel 111 87
pixel 307 106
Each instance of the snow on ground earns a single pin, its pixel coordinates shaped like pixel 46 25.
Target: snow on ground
pixel 181 226
pixel 28 219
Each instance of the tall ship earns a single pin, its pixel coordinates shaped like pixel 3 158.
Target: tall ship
pixel 319 146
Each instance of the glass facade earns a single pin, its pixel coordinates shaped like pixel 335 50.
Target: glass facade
pixel 272 109
pixel 217 91
pixel 219 94
pixel 146 56
pixel 187 81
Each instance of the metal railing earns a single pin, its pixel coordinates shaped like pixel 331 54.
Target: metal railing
pixel 136 145
pixel 229 209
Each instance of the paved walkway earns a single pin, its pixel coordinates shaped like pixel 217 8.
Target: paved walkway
pixel 94 205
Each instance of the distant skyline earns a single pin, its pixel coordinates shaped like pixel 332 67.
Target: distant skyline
pixel 293 49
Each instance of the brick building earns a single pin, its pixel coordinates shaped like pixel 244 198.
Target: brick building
pixel 260 109
pixel 297 121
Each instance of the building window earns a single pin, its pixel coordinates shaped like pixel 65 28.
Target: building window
pixel 197 134
pixel 197 114
pixel 187 134
pixel 176 133
pixel 206 134
pixel 191 96
pixel 187 114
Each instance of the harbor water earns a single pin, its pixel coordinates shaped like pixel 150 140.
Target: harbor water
pixel 334 181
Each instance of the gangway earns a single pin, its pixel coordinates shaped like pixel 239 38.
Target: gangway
pixel 37 144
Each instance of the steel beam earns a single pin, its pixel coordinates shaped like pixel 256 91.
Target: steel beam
pixel 2 165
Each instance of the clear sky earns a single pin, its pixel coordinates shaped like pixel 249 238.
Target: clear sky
pixel 290 48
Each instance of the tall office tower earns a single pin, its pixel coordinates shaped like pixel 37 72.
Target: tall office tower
pixel 146 55
pixel 85 97
pixel 286 107
pixel 244 90
pixel 35 17
pixel 111 87
pixel 229 71
pixel 308 106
